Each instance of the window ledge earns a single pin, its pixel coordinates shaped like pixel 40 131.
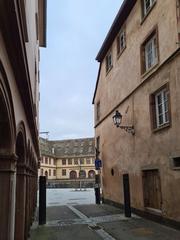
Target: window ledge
pixel 145 16
pixel 166 125
pixel 120 53
pixel 175 168
pixel 107 72
pixel 150 70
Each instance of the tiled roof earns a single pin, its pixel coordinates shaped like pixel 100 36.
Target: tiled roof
pixel 63 148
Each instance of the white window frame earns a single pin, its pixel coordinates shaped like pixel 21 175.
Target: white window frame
pixel 150 49
pixel 109 61
pixel 165 110
pixel 146 9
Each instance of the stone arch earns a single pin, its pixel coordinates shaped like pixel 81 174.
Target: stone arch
pixel 7 119
pixel 73 175
pixel 7 157
pixel 82 174
pixel 91 174
pixel 20 220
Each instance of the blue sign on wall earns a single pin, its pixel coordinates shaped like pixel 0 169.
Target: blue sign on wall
pixel 98 164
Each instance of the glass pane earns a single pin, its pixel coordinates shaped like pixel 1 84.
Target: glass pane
pixel 160 109
pixel 159 99
pixel 160 119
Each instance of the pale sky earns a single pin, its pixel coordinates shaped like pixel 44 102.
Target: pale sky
pixel 76 30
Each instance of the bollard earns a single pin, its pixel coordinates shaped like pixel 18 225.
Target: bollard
pixel 42 200
pixel 127 200
pixel 97 189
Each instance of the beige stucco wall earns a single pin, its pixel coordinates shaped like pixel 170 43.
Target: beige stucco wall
pixel 145 150
pixel 119 82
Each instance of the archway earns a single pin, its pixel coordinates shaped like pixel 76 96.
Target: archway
pixel 20 219
pixel 91 174
pixel 7 159
pixel 73 175
pixel 82 174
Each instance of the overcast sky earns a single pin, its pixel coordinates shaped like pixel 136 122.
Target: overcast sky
pixel 76 30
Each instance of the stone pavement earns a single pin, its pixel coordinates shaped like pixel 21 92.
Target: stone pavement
pixel 97 222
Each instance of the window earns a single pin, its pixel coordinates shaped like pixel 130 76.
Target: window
pixel 76 161
pixel 121 41
pixel 81 161
pixel 149 52
pixel 49 161
pixel 88 161
pixel 98 111
pixel 42 171
pixel 64 162
pixel 146 6
pixel 69 161
pixel 108 62
pixel 160 107
pixel 54 172
pixel 46 160
pixel 49 172
pixel 63 172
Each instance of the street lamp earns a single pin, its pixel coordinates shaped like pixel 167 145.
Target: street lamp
pixel 117 119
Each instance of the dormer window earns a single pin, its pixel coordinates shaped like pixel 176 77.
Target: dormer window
pixel 108 61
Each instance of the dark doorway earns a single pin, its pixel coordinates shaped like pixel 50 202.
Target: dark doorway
pixel 152 189
pixel 73 175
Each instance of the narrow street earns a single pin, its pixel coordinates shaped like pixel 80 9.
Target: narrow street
pixel 69 219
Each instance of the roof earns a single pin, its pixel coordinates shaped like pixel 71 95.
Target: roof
pixel 119 20
pixel 68 148
pixel 42 5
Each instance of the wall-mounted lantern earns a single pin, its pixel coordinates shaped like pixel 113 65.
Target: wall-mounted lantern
pixel 117 119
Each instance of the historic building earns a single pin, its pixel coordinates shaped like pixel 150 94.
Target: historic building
pixel 139 75
pixel 22 31
pixel 67 160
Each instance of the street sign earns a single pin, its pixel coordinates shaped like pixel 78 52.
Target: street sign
pixel 98 164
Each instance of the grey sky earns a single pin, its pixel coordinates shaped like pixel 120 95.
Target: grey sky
pixel 75 32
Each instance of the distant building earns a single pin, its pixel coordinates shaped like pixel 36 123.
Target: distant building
pixel 67 159
pixel 22 32
pixel 139 75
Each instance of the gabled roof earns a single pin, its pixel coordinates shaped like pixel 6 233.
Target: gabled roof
pixel 119 20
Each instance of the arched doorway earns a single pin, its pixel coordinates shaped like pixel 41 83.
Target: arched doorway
pixel 7 159
pixel 82 174
pixel 91 174
pixel 20 184
pixel 73 175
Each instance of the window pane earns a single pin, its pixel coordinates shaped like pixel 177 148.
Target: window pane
pixel 160 119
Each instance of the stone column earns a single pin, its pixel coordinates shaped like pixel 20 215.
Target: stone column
pixel 7 195
pixel 20 202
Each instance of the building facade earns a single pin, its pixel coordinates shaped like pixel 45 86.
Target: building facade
pixel 139 75
pixel 67 160
pixel 22 31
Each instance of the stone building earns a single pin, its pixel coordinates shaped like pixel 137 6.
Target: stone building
pixel 66 161
pixel 22 31
pixel 139 75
